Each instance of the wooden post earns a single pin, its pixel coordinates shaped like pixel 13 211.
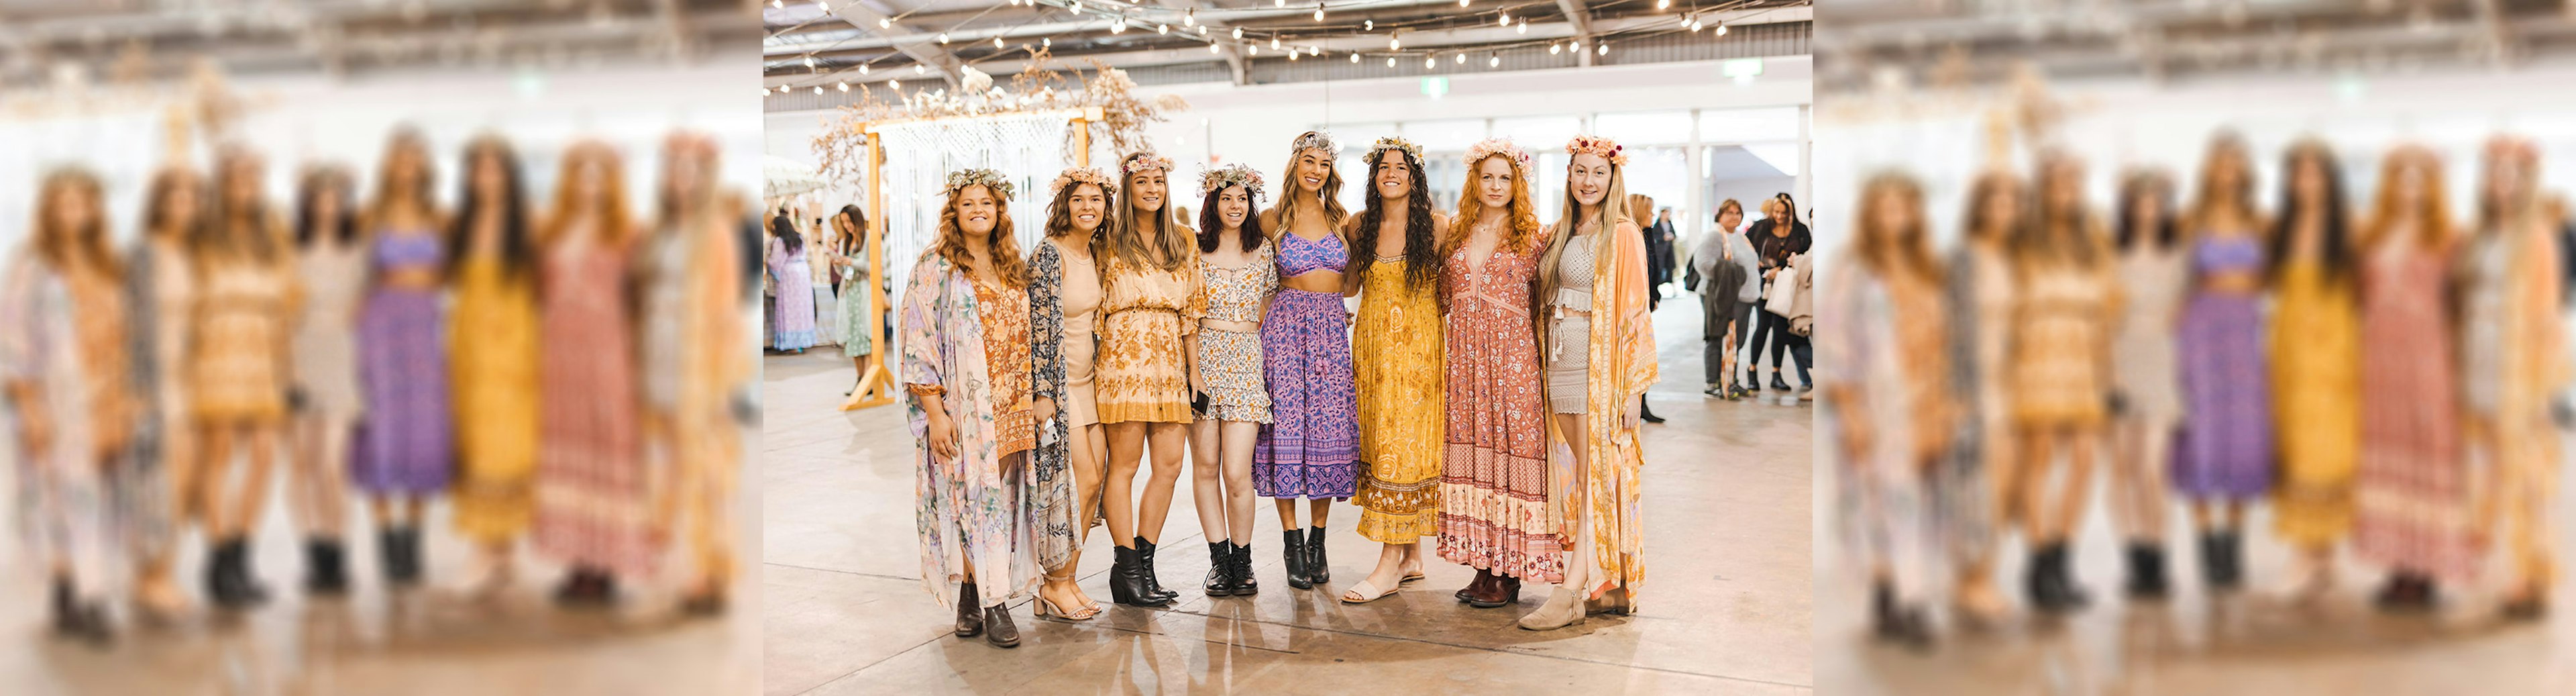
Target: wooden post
pixel 875 385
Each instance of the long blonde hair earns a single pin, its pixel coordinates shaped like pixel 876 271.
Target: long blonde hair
pixel 1612 211
pixel 1330 192
pixel 1172 245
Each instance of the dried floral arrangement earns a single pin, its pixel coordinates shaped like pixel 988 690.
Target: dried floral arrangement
pixel 841 147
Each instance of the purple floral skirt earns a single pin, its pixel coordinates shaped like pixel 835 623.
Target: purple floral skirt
pixel 1310 449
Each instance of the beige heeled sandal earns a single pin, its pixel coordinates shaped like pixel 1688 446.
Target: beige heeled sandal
pixel 1046 608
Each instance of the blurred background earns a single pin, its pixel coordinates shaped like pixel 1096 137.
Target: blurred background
pixel 123 89
pixel 1943 91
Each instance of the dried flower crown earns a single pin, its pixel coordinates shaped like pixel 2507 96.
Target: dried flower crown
pixel 1143 161
pixel 1078 175
pixel 1593 144
pixel 1213 180
pixel 1489 147
pixel 1315 140
pixel 960 179
pixel 1393 143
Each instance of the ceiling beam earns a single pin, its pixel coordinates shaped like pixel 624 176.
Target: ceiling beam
pixel 1581 17
pixel 922 52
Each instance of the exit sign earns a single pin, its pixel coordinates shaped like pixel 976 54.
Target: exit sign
pixel 1435 86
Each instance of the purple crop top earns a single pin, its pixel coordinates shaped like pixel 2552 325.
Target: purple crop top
pixel 1297 255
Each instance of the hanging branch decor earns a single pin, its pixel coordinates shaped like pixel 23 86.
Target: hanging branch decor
pixel 1123 113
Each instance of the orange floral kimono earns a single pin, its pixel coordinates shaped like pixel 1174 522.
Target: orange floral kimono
pixel 1623 365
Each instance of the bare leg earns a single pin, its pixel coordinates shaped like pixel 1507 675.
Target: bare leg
pixel 1207 492
pixel 1578 568
pixel 1166 440
pixel 2127 459
pixel 1086 487
pixel 2028 478
pixel 217 458
pixel 1237 446
pixel 2080 443
pixel 252 498
pixel 1287 512
pixel 1317 510
pixel 1118 499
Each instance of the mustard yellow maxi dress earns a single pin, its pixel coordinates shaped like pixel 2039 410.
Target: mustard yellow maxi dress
pixel 1397 360
pixel 2316 385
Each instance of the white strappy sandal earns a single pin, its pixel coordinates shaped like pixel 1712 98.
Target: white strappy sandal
pixel 1368 593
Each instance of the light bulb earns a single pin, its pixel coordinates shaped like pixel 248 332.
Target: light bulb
pixel 1394 44
pixel 1504 20
pixel 818 90
pixel 943 37
pixel 1190 17
pixel 1462 3
pixel 1048 42
pixel 1494 61
pixel 863 68
pixel 780 4
pixel 1292 55
pixel 1524 26
pixel 997 43
pixel 1162 28
pixel 1429 62
pixel 1238 32
pixel 1118 28
pixel 845 86
pixel 1077 6
pixel 1355 58
pixel 1274 43
pixel 782 89
pixel 1211 47
pixel 1319 12
pixel 1462 59
pixel 1574 45
pixel 1663 4
pixel 919 68
pixel 884 23
pixel 1253 49
pixel 1553 49
pixel 1368 25
pixel 1390 61
pixel 809 61
pixel 1694 26
pixel 1721 28
pixel 895 84
pixel 1604 49
pixel 1279 3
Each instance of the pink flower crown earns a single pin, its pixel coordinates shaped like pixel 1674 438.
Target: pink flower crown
pixel 1079 175
pixel 1143 161
pixel 1593 144
pixel 1213 180
pixel 1498 146
pixel 1390 142
pixel 960 179
pixel 1314 140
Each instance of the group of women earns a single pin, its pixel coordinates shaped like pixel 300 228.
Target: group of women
pixel 1037 383
pixel 2385 382
pixel 565 380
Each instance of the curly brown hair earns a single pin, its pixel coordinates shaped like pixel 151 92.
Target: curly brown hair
pixel 1005 251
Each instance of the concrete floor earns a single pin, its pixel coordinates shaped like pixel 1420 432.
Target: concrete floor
pixel 2255 642
pixel 431 640
pixel 1726 609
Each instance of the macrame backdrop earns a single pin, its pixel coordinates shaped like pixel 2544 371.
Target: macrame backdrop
pixel 1028 149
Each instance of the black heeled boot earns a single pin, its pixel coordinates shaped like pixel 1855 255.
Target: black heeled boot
pixel 1240 560
pixel 389 556
pixel 1145 565
pixel 2231 559
pixel 970 611
pixel 998 629
pixel 409 548
pixel 77 619
pixel 1220 577
pixel 2069 592
pixel 245 580
pixel 1645 413
pixel 1127 584
pixel 325 572
pixel 1319 570
pixel 2147 571
pixel 2037 585
pixel 2211 571
pixel 1292 545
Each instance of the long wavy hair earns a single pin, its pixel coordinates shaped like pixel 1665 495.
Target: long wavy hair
pixel 1523 213
pixel 1421 249
pixel 2145 184
pixel 156 204
pixel 2434 232
pixel 2053 234
pixel 59 247
pixel 2336 257
pixel 1060 215
pixel 405 140
pixel 1211 229
pixel 998 243
pixel 1168 247
pixel 1886 251
pixel 518 248
pixel 1330 192
pixel 2226 147
pixel 255 235
pixel 1993 183
pixel 309 227
pixel 857 240
pixel 1612 211
pixel 614 227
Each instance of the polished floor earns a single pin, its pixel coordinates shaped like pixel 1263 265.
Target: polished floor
pixel 434 640
pixel 2255 642
pixel 1725 611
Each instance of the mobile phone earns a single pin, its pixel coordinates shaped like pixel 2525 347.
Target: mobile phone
pixel 1199 403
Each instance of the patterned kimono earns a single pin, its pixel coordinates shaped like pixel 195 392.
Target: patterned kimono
pixel 1055 504
pixel 983 506
pixel 158 288
pixel 61 338
pixel 1623 365
pixel 1887 356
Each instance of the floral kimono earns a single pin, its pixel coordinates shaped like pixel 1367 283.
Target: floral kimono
pixel 1056 506
pixel 983 506
pixel 1622 352
pixel 61 339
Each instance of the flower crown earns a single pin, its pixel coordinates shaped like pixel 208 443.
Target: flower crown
pixel 1142 161
pixel 1213 180
pixel 1317 140
pixel 960 179
pixel 1498 146
pixel 1390 142
pixel 1078 175
pixel 1593 144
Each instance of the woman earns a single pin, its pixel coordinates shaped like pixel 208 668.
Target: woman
pixel 2225 455
pixel 1727 266
pixel 2412 496
pixel 2146 397
pixel 1150 305
pixel 1601 355
pixel 1311 448
pixel 1970 494
pixel 692 362
pixel 2513 357
pixel 1064 291
pixel 1891 408
pixel 856 300
pixel 1239 275
pixel 1493 485
pixel 407 450
pixel 493 265
pixel 2316 375
pixel 591 483
pixel 1397 353
pixel 2059 373
pixel 238 367
pixel 1641 209
pixel 793 316
pixel 162 492
pixel 972 401
pixel 1778 236
pixel 333 262
pixel 62 366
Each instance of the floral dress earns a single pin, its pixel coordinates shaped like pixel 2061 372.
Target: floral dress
pixel 1230 361
pixel 1146 314
pixel 1493 485
pixel 1397 356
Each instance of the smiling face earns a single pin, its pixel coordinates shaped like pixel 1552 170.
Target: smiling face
pixel 977 210
pixel 2065 185
pixel 1312 168
pixel 2146 210
pixel 1892 213
pixel 1588 178
pixel 491 182
pixel 405 166
pixel 2002 208
pixel 179 204
pixel 2226 170
pixel 1392 176
pixel 1232 205
pixel 72 209
pixel 326 203
pixel 1147 189
pixel 241 181
pixel 2308 181
pixel 1494 182
pixel 589 179
pixel 1089 205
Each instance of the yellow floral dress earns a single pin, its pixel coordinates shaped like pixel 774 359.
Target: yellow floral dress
pixel 493 354
pixel 1144 314
pixel 1397 355
pixel 2316 397
pixel 239 368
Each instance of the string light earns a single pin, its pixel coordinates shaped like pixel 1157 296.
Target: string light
pixel 1721 28
pixel 1462 59
pixel 1368 25
pixel 1274 42
pixel 1279 3
pixel 1292 55
pixel 1663 4
pixel 1077 6
pixel 1190 17
pixel 1463 3
pixel 818 90
pixel 918 68
pixel 1355 58
pixel 1604 49
pixel 1202 30
pixel 1394 44
pixel 1494 61
pixel 1694 26
pixel 1048 42
pixel 997 43
pixel 780 4
pixel 1504 21
pixel 884 23
pixel 1253 49
pixel 943 38
pixel 1319 12
pixel 1120 27
pixel 1390 61
pixel 845 85
pixel 1162 29
pixel 1238 33
pixel 782 89
pixel 897 85
pixel 809 61
pixel 1575 45
pixel 1211 47
pixel 1429 62
pixel 1524 25
pixel 1553 49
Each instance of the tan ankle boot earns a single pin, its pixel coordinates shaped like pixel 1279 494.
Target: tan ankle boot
pixel 1561 610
